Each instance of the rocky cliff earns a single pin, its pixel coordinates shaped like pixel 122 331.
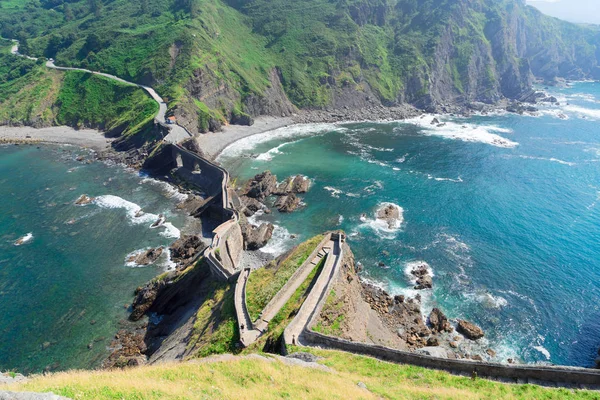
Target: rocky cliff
pixel 220 62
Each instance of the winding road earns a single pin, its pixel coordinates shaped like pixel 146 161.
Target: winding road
pixel 176 134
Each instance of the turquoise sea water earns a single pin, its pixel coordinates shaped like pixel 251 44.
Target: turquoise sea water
pixel 68 286
pixel 504 208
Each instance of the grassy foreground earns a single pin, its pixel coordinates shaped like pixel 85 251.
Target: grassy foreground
pixel 260 378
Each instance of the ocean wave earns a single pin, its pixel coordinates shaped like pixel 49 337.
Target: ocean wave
pixel 135 214
pixel 279 243
pixel 335 193
pixel 170 231
pixel 268 156
pixel 246 144
pixel 169 190
pixel 585 112
pixel 487 299
pixel 458 180
pixel 552 159
pixel 26 238
pixel 543 350
pixel 487 134
pixel 402 159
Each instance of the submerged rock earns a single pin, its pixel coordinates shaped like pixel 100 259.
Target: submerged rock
pixel 83 200
pixel 469 330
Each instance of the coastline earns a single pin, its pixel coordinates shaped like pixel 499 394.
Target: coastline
pixel 85 138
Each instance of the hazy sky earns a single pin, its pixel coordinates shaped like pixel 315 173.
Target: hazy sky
pixel 571 10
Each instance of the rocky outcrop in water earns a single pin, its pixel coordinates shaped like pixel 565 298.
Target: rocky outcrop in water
pixel 261 186
pixel 469 330
pixel 256 237
pixel 185 249
pixel 287 203
pixel 293 184
pixel 83 200
pixel 438 321
pixel 146 257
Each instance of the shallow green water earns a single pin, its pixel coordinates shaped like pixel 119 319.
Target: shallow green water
pixel 68 286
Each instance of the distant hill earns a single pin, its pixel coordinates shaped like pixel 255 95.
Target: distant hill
pixel 221 61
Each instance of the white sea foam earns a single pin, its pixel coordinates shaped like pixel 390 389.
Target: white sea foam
pixel 115 202
pixel 584 112
pixel 412 265
pixel 487 134
pixel 169 190
pixel 487 299
pixel 402 159
pixel 279 243
pixel 340 219
pixel 383 228
pixel 170 231
pixel 552 159
pixel 26 238
pixel 335 193
pixel 458 180
pixel 246 144
pixel 268 156
pixel 543 350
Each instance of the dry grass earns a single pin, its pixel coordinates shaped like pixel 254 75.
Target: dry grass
pixel 253 377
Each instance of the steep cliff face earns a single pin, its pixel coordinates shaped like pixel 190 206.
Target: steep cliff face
pixel 226 61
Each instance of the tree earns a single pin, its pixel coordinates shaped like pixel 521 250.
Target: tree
pixel 95 7
pixel 54 45
pixel 144 6
pixel 68 12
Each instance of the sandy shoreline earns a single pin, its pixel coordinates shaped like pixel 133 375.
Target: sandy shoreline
pixel 87 138
pixel 213 143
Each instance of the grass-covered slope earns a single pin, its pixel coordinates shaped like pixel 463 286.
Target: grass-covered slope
pixel 32 94
pixel 268 378
pixel 212 58
pixel 264 283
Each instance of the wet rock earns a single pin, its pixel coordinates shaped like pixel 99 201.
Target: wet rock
pixel 83 200
pixel 161 220
pixel 438 321
pixel 288 203
pixel 261 186
pixel 251 205
pixel 469 330
pixel 147 257
pixel 185 249
pixel 424 282
pixel 293 184
pixel 256 237
pixel 389 213
pixel 433 341
pixel 476 357
pixel 435 121
pixel 490 353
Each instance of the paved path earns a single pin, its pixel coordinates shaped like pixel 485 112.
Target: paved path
pixel 248 334
pixel 314 302
pixel 176 133
pixel 288 290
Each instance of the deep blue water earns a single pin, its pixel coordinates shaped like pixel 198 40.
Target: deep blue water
pixel 504 208
pixel 69 285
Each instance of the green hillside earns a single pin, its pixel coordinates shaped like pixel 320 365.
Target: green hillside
pixel 216 60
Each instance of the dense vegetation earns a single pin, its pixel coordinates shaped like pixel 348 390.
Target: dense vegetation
pixel 34 95
pixel 210 58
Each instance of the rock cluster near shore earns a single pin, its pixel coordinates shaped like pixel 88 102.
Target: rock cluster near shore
pixel 254 196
